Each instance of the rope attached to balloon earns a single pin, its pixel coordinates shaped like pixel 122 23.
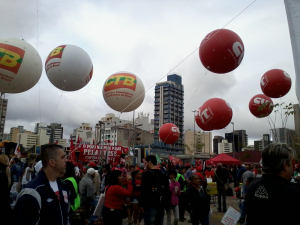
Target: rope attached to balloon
pixel 187 57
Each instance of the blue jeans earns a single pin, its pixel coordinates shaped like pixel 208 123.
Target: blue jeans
pixel 242 208
pixel 154 216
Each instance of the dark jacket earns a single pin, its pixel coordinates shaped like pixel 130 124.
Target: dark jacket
pixel 240 173
pixel 149 196
pixel 197 202
pixel 272 200
pixel 221 177
pixel 38 204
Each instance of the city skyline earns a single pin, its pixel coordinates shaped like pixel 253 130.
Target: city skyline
pixel 149 39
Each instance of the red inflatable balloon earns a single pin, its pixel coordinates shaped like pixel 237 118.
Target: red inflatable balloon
pixel 261 105
pixel 214 114
pixel 275 83
pixel 200 121
pixel 221 51
pixel 169 133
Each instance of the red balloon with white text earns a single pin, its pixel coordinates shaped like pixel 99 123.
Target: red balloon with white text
pixel 261 105
pixel 221 51
pixel 275 83
pixel 169 133
pixel 214 114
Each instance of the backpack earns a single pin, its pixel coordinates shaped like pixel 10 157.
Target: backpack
pixel 161 193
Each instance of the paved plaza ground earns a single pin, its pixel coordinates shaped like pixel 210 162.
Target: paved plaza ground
pixel 215 217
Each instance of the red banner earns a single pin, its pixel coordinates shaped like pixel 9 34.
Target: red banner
pixel 175 160
pixel 92 152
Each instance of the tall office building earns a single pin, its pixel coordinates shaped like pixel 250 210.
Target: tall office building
pixel 3 108
pixel 284 135
pixel 232 138
pixel 224 147
pixel 57 132
pixel 168 108
pixel 216 141
pixel 261 144
pixel 240 139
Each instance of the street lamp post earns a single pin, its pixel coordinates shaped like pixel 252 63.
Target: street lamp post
pixel 194 135
pixel 233 149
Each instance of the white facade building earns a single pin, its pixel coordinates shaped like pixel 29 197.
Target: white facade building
pixel 27 139
pixel 85 133
pixel 110 122
pixel 224 147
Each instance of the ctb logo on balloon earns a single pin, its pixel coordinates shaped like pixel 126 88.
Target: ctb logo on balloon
pixel 120 80
pixel 169 133
pixel 20 66
pixel 11 57
pixel 69 67
pixel 123 91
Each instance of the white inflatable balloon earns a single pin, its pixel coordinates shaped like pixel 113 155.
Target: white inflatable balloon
pixel 20 66
pixel 123 91
pixel 69 67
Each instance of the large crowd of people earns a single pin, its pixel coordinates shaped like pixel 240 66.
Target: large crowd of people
pixel 54 190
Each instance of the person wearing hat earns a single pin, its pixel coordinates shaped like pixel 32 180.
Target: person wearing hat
pixel 96 178
pixel 198 172
pixel 87 191
pixel 142 167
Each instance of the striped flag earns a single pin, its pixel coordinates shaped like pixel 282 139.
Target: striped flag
pixel 18 151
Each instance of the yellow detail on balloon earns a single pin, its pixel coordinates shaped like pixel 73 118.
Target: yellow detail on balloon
pixel 10 58
pixel 56 51
pixel 129 81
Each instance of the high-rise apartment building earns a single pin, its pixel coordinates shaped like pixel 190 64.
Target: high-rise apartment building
pixel 284 135
pixel 261 144
pixel 14 131
pixel 3 109
pixel 110 131
pixel 57 132
pixel 232 139
pixel 224 147
pixel 169 108
pixel 197 142
pixel 297 118
pixel 216 141
pixel 240 139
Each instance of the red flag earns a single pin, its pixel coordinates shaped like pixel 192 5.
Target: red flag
pixel 72 156
pixel 78 140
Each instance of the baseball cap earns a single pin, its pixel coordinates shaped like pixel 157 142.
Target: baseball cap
pixel 243 165
pixel 141 165
pixel 91 171
pixel 92 164
pixel 199 168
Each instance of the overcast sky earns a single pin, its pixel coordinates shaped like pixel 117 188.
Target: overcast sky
pixel 148 38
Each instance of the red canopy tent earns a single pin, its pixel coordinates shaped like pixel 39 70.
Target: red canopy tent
pixel 225 159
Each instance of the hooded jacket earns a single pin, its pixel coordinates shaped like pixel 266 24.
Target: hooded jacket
pixel 38 204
